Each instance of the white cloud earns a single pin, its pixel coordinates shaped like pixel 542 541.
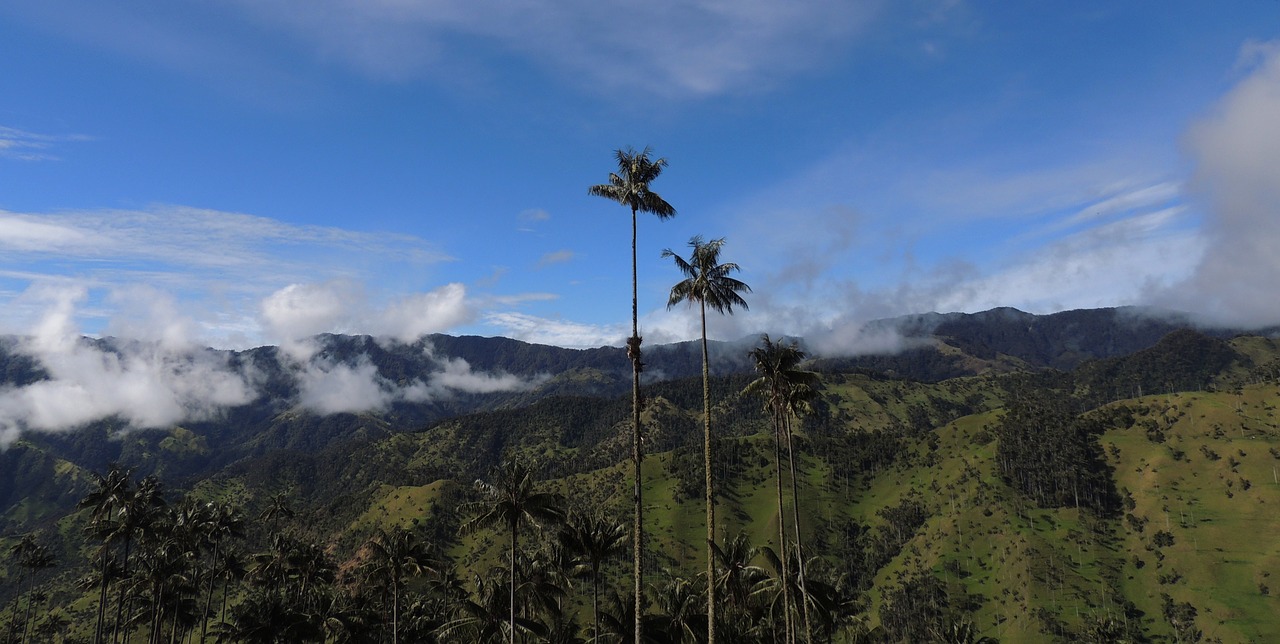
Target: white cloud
pixel 539 330
pixel 413 316
pixel 217 266
pixel 456 374
pixel 30 234
pixel 1113 265
pixel 156 384
pixel 668 48
pixel 853 338
pixel 558 257
pixel 1126 201
pixel 534 215
pixel 147 312
pixel 30 146
pixel 330 388
pixel 298 311
pixel 179 236
pixel 1236 147
pixel 145 384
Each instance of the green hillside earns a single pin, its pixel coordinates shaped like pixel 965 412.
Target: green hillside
pixel 1018 506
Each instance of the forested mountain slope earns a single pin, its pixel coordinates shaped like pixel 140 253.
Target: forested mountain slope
pixel 1021 504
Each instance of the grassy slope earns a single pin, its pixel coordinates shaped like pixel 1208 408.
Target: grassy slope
pixel 1041 573
pixel 1219 511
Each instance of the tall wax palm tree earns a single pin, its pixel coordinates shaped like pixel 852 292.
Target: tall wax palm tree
pixel 629 186
pixel 541 584
pixel 394 557
pixel 708 283
pixel 678 617
pixel 594 539
pixel 32 556
pixel 223 522
pixel 278 508
pixel 510 500
pixel 780 376
pixel 480 618
pixel 111 491
pixel 739 578
pixel 135 518
pixel 800 395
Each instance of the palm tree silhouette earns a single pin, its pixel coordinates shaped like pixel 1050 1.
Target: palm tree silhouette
pixel 780 378
pixel 32 556
pixel 481 619
pixel 740 577
pixel 708 283
pixel 111 491
pixel 594 539
pixel 222 522
pixel 135 519
pixel 510 500
pixel 394 557
pixel 629 186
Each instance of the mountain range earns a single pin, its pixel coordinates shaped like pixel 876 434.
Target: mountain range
pixel 443 411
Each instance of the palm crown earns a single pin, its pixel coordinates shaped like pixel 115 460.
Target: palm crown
pixel 707 281
pixel 629 186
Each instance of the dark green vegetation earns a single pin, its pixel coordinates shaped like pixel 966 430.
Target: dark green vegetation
pixel 1127 496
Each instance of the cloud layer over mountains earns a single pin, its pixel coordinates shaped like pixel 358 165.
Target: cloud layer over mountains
pixel 160 383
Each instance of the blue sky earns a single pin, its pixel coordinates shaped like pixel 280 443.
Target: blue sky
pixel 244 172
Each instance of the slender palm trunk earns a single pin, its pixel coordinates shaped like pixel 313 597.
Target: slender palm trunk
pixel 208 598
pixel 102 600
pixel 13 615
pixel 26 620
pixel 595 601
pixel 711 496
pixel 226 583
pixel 124 574
pixel 511 636
pixel 395 611
pixel 782 527
pixel 637 453
pixel 156 620
pixel 795 520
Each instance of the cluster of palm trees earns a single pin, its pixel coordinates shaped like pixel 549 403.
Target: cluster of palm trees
pixel 31 556
pixel 786 388
pixel 158 567
pixel 163 561
pixel 752 585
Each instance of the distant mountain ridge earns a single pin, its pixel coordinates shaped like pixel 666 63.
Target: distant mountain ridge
pixel 1193 404
pixel 948 345
pixel 941 346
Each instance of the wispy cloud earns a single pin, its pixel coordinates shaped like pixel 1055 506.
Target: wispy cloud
pixel 667 48
pixel 223 263
pixel 558 257
pixel 30 146
pixel 540 330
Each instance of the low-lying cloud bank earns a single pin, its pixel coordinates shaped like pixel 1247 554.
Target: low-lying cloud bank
pixel 330 387
pixel 167 380
pixel 143 384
